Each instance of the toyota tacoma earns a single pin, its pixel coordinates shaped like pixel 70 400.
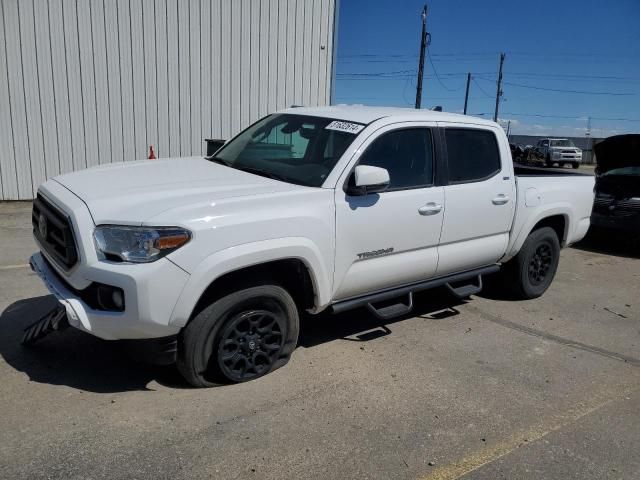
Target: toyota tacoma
pixel 308 209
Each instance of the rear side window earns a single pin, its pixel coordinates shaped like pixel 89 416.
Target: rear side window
pixel 407 155
pixel 473 154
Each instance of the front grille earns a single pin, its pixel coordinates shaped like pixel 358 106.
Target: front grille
pixel 572 152
pixel 53 230
pixel 616 208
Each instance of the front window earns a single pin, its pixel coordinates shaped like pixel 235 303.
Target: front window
pixel 297 149
pixel 406 154
pixel 562 143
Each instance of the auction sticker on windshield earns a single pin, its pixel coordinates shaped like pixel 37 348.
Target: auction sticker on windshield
pixel 345 127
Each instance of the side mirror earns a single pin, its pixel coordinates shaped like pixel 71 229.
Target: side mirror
pixel 366 179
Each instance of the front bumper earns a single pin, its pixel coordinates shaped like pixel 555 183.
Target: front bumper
pixel 151 292
pixel 567 157
pixel 630 224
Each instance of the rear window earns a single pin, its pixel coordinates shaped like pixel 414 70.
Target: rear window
pixel 473 154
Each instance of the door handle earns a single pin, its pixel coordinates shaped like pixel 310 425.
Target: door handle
pixel 430 208
pixel 500 199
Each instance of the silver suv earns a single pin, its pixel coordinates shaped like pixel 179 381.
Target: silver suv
pixel 559 150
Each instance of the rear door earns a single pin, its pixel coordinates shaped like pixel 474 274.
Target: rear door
pixel 390 238
pixel 479 196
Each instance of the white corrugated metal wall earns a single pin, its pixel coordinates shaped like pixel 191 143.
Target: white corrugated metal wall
pixel 88 82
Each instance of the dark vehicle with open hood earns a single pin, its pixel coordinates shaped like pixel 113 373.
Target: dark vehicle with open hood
pixel 617 201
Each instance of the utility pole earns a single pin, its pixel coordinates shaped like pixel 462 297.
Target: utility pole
pixel 423 47
pixel 499 90
pixel 508 129
pixel 466 95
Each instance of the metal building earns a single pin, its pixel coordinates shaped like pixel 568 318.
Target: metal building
pixel 89 82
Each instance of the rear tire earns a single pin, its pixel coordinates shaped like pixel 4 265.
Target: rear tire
pixel 239 337
pixel 530 273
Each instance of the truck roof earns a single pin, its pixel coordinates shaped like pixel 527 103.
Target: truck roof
pixel 366 114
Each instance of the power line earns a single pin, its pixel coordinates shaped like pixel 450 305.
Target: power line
pixel 573 77
pixel 402 72
pixel 473 79
pixel 438 76
pixel 583 117
pixel 533 87
pixel 376 74
pixel 492 54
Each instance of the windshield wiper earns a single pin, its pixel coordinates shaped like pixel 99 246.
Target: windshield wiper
pixel 219 160
pixel 262 173
pixel 255 171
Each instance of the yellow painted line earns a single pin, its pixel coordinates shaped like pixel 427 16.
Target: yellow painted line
pixel 504 447
pixel 14 267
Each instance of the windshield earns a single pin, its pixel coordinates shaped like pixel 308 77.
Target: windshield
pixel 297 149
pixel 562 143
pixel 626 171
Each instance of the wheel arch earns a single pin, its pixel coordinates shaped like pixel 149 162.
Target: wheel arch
pixel 558 222
pixel 558 218
pixel 293 262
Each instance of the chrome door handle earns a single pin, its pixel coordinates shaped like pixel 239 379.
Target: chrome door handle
pixel 500 199
pixel 430 208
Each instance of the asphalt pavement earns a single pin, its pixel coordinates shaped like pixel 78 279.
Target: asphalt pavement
pixel 484 389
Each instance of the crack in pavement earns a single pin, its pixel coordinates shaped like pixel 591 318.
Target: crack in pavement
pixel 554 338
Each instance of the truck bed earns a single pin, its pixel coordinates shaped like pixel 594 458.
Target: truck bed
pixel 529 171
pixel 544 191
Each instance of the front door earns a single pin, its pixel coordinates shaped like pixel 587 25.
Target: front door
pixel 391 238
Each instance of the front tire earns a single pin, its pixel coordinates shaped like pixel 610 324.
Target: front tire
pixel 575 165
pixel 547 161
pixel 239 337
pixel 531 272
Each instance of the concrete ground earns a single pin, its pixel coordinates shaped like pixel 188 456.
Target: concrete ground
pixel 485 389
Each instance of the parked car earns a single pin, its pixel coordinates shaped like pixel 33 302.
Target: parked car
pixel 617 201
pixel 309 209
pixel 559 151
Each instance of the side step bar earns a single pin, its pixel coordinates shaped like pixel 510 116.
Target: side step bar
pixel 392 311
pixel 464 291
pixel 373 298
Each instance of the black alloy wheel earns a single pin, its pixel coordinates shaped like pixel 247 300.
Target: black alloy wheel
pixel 250 343
pixel 240 336
pixel 531 271
pixel 540 263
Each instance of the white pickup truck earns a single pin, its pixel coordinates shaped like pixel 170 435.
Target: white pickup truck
pixel 306 210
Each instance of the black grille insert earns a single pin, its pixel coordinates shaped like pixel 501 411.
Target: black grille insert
pixel 53 230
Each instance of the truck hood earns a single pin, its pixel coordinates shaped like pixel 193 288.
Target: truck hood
pixel 617 152
pixel 133 192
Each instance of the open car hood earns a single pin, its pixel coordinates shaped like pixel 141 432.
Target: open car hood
pixel 617 152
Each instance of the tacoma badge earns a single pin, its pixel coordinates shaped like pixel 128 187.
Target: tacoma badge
pixel 375 253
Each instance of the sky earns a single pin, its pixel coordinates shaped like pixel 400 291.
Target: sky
pixel 555 52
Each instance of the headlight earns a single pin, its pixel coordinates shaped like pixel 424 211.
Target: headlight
pixel 138 244
pixel 556 153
